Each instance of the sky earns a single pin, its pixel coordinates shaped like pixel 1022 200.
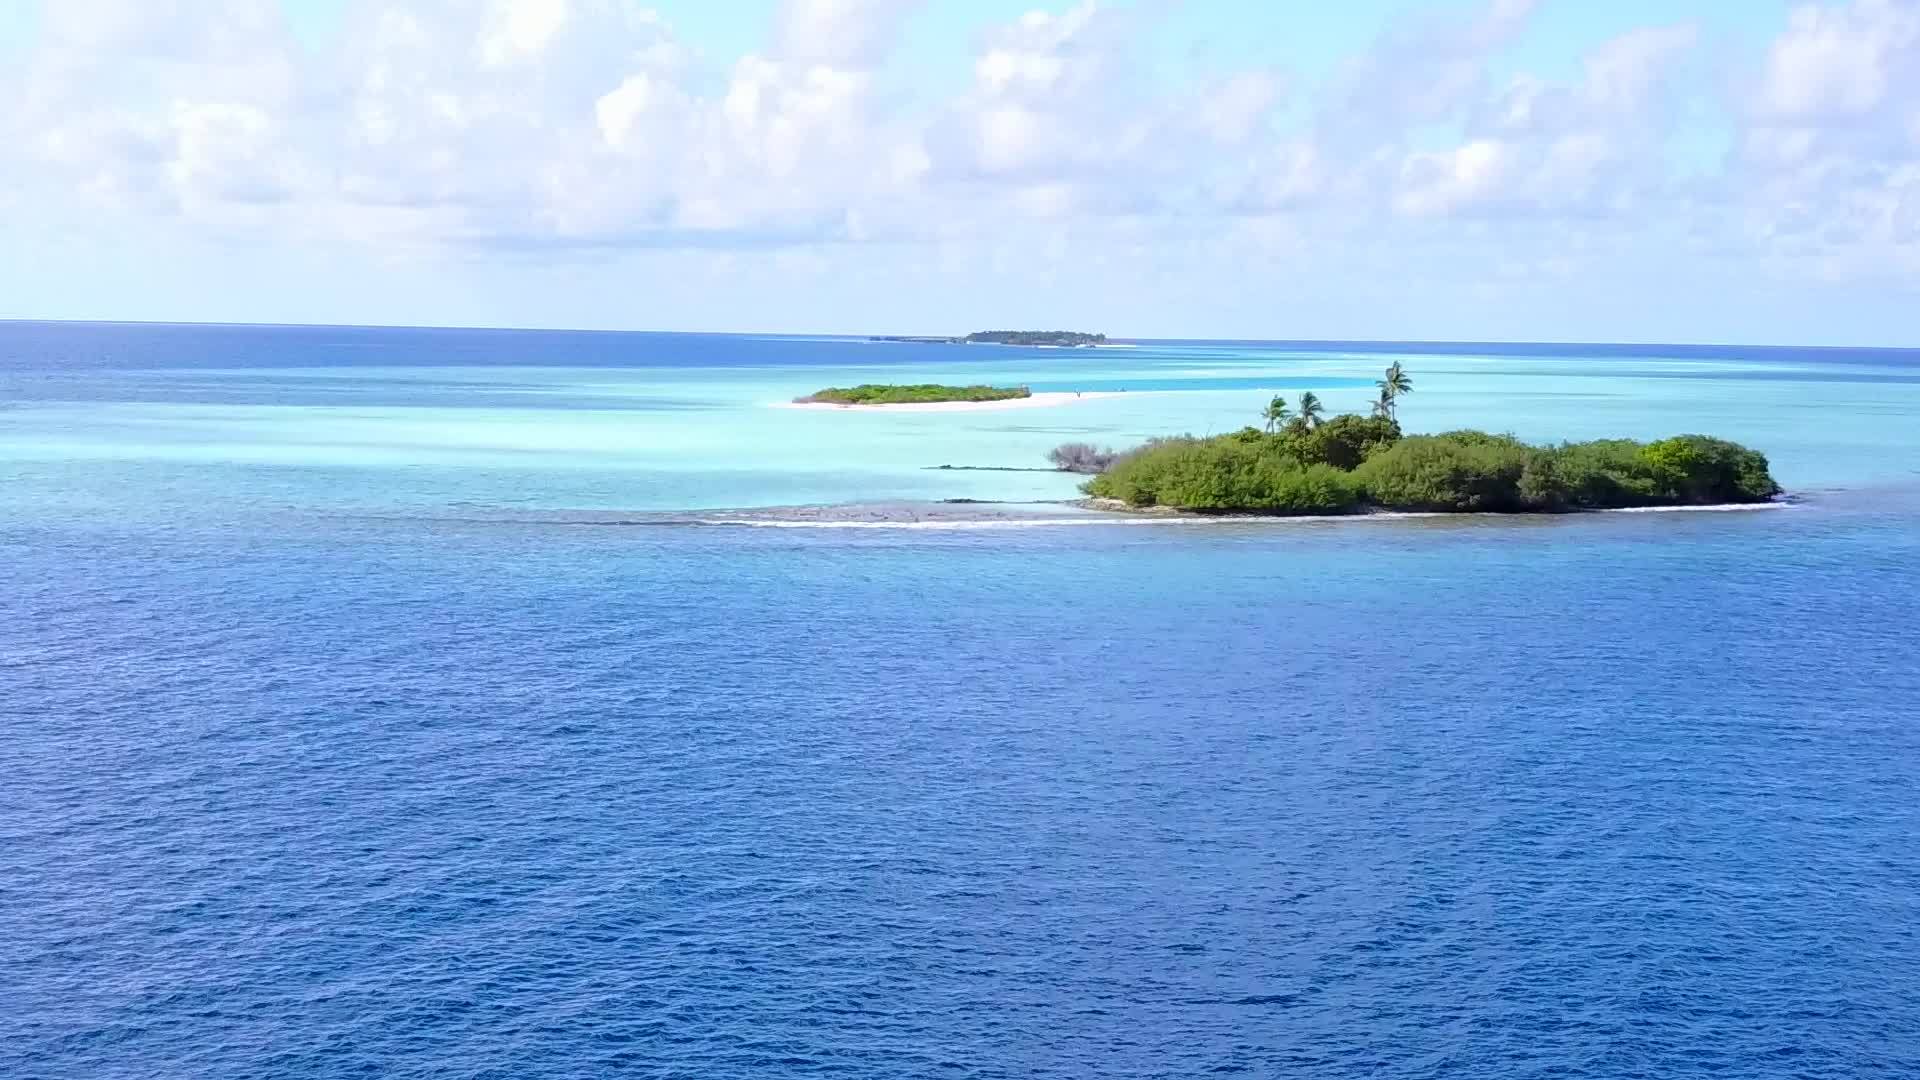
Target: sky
pixel 1742 171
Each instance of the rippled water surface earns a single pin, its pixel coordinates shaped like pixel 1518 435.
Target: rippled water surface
pixel 402 718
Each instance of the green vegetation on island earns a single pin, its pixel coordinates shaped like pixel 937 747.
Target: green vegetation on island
pixel 917 393
pixel 1303 463
pixel 1054 338
pixel 1066 338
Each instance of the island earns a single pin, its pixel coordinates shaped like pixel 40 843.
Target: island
pixel 910 394
pixel 1058 339
pixel 1052 339
pixel 1301 462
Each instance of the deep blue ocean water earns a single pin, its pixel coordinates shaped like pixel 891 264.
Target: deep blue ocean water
pixel 397 717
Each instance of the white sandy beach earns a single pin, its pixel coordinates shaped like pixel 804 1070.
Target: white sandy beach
pixel 1033 401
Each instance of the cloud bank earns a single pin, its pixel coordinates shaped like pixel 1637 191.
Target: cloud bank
pixel 573 129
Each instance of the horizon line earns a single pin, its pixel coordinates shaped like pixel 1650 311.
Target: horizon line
pixel 6 320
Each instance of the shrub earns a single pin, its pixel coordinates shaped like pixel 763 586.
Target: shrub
pixel 1312 489
pixel 1687 469
pixel 1447 472
pixel 1296 471
pixel 1470 437
pixel 1344 441
pixel 1155 443
pixel 1699 469
pixel 1079 457
pixel 1225 474
pixel 1542 486
pixel 1600 474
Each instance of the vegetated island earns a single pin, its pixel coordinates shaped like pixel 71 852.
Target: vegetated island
pixel 1059 339
pixel 1302 462
pixel 910 394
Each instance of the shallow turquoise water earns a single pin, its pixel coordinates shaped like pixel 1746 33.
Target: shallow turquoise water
pixel 220 418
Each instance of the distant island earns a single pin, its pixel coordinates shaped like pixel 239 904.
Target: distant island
pixel 1301 462
pixel 1069 339
pixel 911 394
pixel 1058 339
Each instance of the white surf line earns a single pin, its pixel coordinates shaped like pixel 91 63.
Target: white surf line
pixel 1123 518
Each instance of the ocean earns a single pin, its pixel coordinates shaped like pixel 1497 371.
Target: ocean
pixel 426 703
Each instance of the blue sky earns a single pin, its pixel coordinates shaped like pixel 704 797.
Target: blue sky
pixel 1718 170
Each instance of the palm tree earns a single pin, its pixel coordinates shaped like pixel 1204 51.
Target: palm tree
pixel 1310 409
pixel 1383 407
pixel 1391 387
pixel 1275 414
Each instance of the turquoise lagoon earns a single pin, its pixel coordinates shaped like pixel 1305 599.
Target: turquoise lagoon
pixel 227 419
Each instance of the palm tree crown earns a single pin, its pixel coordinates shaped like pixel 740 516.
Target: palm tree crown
pixel 1392 385
pixel 1310 408
pixel 1275 414
pixel 1396 380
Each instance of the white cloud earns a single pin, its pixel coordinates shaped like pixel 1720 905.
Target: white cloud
pixel 1839 61
pixel 225 154
pixel 524 124
pixel 1624 75
pixel 1044 98
pixel 1447 182
pixel 845 34
pixel 1590 148
pixel 1279 178
pixel 519 31
pixel 630 116
pixel 1825 175
pixel 1421 71
pixel 148 106
pixel 1234 110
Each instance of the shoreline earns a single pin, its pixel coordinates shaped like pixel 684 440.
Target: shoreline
pixel 1119 508
pixel 1031 401
pixel 966 514
pixel 1096 516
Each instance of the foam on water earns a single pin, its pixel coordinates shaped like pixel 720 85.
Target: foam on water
pixel 1380 518
pixel 1721 508
pixel 964 524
